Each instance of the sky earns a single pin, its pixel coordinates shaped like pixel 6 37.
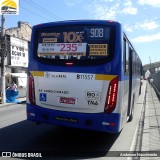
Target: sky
pixel 140 18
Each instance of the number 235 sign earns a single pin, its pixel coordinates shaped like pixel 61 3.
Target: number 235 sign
pixel 62 48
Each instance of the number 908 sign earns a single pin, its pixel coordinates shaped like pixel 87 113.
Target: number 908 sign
pixel 96 33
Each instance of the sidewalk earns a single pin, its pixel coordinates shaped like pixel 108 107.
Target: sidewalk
pixel 22 100
pixel 151 128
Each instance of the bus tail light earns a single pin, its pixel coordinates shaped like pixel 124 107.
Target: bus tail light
pixel 111 98
pixel 69 64
pixel 31 90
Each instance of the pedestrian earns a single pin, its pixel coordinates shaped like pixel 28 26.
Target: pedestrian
pixel 11 93
pixel 151 81
pixel 13 86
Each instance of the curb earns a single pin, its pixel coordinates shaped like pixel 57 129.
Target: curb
pixel 10 104
pixel 6 105
pixel 138 135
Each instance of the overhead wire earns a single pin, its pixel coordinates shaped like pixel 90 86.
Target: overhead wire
pixel 35 14
pixel 51 14
pixel 43 10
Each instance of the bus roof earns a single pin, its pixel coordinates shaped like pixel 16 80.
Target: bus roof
pixel 66 22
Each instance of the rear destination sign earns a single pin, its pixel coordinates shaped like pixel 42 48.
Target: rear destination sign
pixel 73 41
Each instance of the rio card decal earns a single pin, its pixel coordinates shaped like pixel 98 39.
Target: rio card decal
pixel 9 7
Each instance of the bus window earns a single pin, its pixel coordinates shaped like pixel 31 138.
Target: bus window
pixel 76 43
pixel 125 56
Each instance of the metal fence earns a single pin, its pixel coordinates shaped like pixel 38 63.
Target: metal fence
pixel 156 80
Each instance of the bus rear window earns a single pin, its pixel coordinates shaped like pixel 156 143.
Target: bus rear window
pixel 76 43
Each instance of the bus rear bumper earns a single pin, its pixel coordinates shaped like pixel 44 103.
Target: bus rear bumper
pixel 92 121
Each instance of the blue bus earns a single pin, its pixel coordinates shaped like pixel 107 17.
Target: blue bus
pixel 83 74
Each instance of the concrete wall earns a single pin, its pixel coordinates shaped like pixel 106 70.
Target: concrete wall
pixel 22 92
pixel 23 31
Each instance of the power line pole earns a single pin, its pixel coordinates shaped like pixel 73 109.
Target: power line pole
pixel 3 52
pixel 150 63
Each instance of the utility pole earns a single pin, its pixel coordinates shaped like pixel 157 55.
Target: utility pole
pixel 3 52
pixel 150 63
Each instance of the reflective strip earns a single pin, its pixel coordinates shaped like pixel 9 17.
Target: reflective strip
pixel 97 76
pixel 32 114
pixel 105 123
pixel 105 77
pixel 37 73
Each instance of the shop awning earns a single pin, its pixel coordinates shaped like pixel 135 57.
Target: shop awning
pixel 21 75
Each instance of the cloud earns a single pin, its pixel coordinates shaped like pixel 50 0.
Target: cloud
pixel 106 0
pixel 147 25
pixel 104 10
pixel 153 3
pixel 109 9
pixel 128 8
pixel 128 28
pixel 72 3
pixel 127 3
pixel 147 38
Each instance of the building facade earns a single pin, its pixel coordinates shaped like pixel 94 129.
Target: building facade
pixel 23 31
pixel 17 50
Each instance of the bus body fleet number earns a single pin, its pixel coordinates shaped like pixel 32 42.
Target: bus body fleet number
pixel 96 32
pixel 85 77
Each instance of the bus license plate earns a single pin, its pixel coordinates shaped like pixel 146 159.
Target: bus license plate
pixel 67 100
